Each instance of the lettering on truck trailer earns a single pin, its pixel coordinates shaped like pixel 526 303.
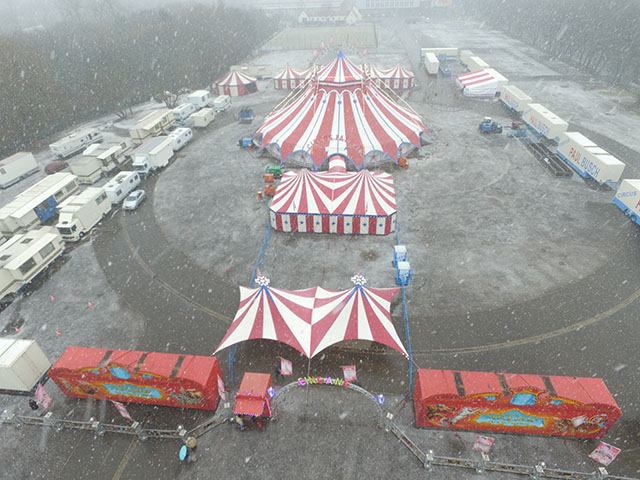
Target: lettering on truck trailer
pixel 589 167
pixel 542 128
pixel 574 155
pixel 627 194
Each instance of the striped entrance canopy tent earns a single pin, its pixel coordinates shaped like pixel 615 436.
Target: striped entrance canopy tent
pixel 396 78
pixel 236 84
pixel 481 83
pixel 290 78
pixel 313 319
pixel 343 113
pixel 334 202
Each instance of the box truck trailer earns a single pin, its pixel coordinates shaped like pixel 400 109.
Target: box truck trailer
pixel 153 154
pixel 24 256
pixel 202 118
pixel 628 198
pixel 199 98
pixel 16 167
pixel 589 160
pixel 431 63
pixel 121 185
pixel 75 142
pixel 544 122
pixel 23 365
pixel 476 63
pixel 79 214
pixel 515 99
pixel 465 55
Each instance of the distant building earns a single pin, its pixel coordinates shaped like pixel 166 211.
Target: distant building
pixel 348 17
pixel 297 5
pixel 386 4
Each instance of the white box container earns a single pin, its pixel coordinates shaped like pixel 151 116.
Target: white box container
pixel 431 63
pixel 22 364
pixel 515 99
pixel 545 122
pixel 465 55
pixel 476 63
pixel 588 159
pixel 628 198
pixel 200 98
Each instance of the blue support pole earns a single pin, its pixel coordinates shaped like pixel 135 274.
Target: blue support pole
pixel 252 283
pixel 407 332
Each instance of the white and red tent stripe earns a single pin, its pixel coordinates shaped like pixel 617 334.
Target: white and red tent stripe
pixel 290 78
pixel 396 78
pixel 360 123
pixel 480 83
pixel 341 73
pixel 361 203
pixel 236 84
pixel 313 319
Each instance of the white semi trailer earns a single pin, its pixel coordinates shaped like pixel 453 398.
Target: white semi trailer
pixel 544 122
pixel 80 213
pixel 589 160
pixel 628 198
pixel 153 154
pixel 515 99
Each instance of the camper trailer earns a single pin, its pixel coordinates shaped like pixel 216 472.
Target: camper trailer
pixel 24 256
pixel 153 154
pixel 37 204
pixel 153 124
pixel 182 112
pixel 199 98
pixel 121 185
pixel 180 137
pixel 78 214
pixel 202 118
pixel 222 103
pixel 16 167
pixel 100 159
pixel 75 142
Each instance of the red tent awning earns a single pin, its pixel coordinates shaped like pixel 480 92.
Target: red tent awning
pixel 249 406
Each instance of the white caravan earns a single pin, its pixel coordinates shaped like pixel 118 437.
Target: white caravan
pixel 16 167
pixel 199 98
pixel 202 118
pixel 182 112
pixel 79 214
pixel 180 136
pixel 222 103
pixel 75 142
pixel 121 185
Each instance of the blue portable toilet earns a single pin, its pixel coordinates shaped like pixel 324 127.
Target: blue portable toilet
pixel 399 254
pixel 403 273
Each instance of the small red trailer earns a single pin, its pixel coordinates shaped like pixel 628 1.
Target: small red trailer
pixel 514 403
pixel 167 379
pixel 254 395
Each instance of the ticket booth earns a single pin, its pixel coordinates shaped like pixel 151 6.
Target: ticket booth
pixel 254 395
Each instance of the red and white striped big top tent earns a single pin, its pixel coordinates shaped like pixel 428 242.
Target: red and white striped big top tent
pixel 396 78
pixel 481 83
pixel 313 319
pixel 334 202
pixel 290 78
pixel 341 112
pixel 236 84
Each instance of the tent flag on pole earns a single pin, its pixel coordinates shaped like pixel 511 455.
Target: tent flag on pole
pixel 286 367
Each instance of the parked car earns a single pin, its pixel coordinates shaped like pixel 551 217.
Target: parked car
pixel 134 200
pixel 54 167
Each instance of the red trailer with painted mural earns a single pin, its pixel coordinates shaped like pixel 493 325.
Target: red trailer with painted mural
pixel 514 403
pixel 166 379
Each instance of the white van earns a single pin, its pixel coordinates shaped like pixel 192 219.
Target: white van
pixel 180 136
pixel 181 112
pixel 222 103
pixel 121 185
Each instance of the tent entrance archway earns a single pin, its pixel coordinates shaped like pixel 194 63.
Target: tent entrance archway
pixel 327 382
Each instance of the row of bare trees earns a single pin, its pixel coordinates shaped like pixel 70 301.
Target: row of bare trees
pixel 78 70
pixel 599 37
